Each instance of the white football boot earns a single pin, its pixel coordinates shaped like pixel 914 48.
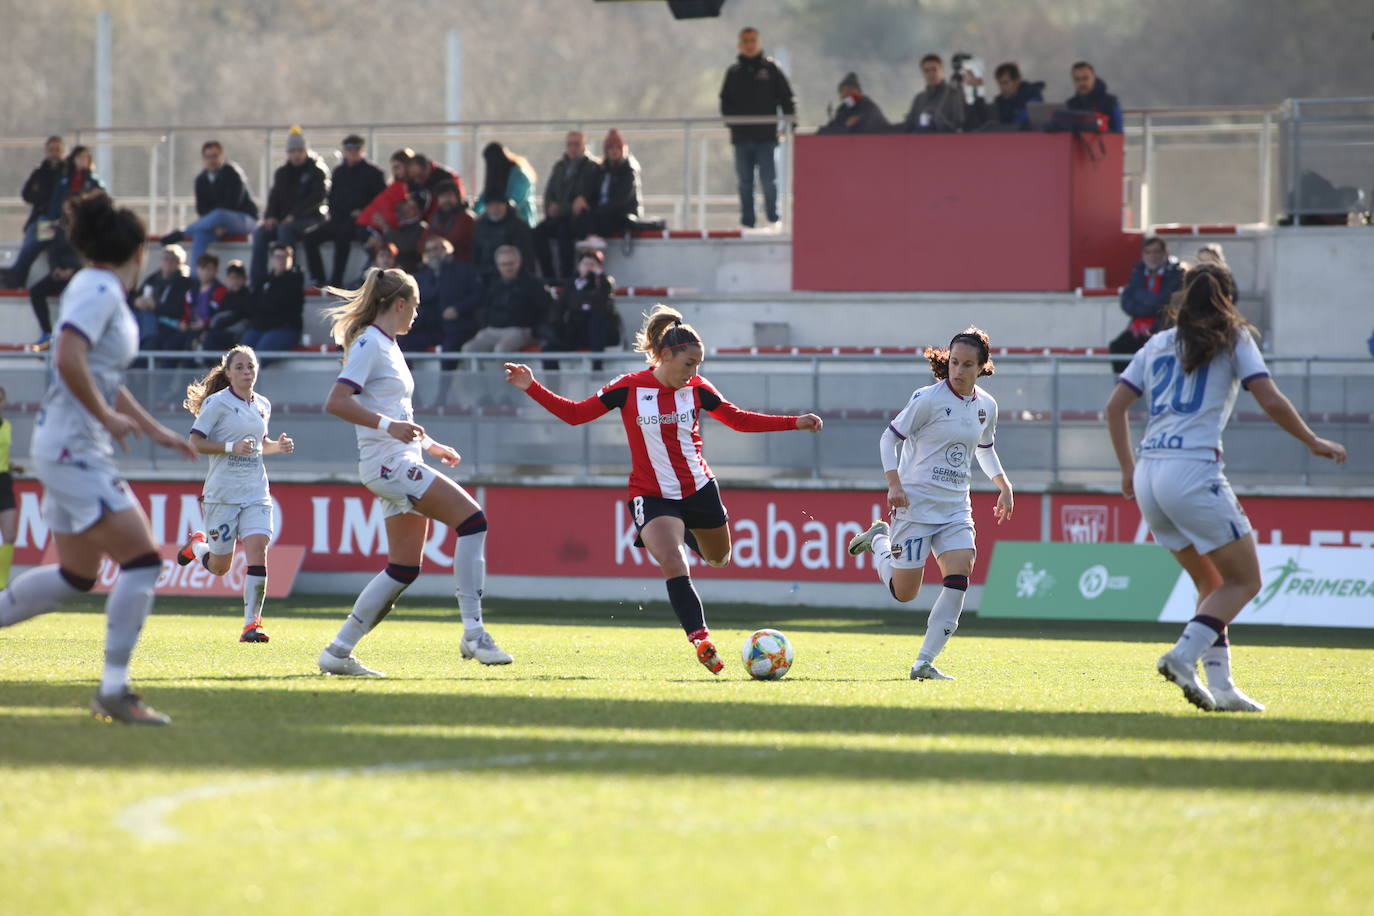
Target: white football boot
pixel 1185 676
pixel 926 671
pixel 863 541
pixel 484 649
pixel 1232 699
pixel 345 667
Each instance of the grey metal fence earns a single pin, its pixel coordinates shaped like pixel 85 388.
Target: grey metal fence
pixel 1050 430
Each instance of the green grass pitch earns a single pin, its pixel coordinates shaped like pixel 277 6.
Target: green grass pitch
pixel 606 771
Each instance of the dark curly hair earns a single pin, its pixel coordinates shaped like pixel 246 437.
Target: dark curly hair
pixel 103 233
pixel 973 337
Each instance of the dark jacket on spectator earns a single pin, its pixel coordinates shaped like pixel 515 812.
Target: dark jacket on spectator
pixel 456 225
pixel 407 238
pixel 755 86
pixel 171 297
pixel 489 235
pixel 870 119
pixel 228 190
pixel 38 189
pixel 1138 301
pixel 571 178
pixel 68 185
pixel 518 303
pixel 235 306
pixel 617 188
pixel 280 302
pixel 425 193
pixel 353 187
pixel 62 256
pixel 583 299
pixel 1013 110
pixel 1100 101
pixel 455 285
pixel 944 101
pixel 299 191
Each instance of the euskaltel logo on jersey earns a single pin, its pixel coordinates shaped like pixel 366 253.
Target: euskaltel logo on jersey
pixel 664 419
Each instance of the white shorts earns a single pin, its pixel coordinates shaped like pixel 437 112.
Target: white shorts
pixel 226 523
pixel 913 542
pixel 401 486
pixel 1188 502
pixel 80 490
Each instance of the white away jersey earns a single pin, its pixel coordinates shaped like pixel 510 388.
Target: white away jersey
pixel 1189 410
pixel 376 369
pixel 239 480
pixel 939 430
pixel 93 305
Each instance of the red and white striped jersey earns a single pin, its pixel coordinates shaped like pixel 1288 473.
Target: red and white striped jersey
pixel 661 424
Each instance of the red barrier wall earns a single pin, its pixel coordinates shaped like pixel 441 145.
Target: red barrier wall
pixel 957 212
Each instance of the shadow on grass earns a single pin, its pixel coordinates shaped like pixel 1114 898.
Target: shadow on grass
pixel 344 724
pixel 659 615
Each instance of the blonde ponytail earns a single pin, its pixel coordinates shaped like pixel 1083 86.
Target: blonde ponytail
pixel 217 379
pixel 663 327
pixel 361 306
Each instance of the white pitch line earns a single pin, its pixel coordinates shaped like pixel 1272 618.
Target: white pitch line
pixel 146 819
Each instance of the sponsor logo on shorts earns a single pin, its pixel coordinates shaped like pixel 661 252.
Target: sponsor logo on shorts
pixel 414 472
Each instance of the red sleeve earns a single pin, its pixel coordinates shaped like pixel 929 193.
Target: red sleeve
pixel 745 421
pixel 385 202
pixel 573 413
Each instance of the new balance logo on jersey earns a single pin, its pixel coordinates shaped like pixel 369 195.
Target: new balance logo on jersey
pixel 648 396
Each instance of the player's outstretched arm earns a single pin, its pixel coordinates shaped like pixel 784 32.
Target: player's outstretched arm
pixel 571 412
pixel 1119 427
pixel 1281 410
pixel 342 404
pixel 282 445
pixel 128 405
pixel 205 446
pixel 748 421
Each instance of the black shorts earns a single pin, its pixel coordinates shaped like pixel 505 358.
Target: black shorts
pixel 6 491
pixel 703 509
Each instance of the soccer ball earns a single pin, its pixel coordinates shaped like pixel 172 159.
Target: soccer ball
pixel 767 655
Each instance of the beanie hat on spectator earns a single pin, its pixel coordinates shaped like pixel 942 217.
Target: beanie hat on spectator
pixel 296 140
pixel 353 140
pixel 851 79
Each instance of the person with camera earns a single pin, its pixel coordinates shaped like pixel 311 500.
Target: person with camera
pixel 939 108
pixel 1014 96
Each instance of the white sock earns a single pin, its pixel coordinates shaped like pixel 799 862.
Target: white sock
pixel 254 593
pixel 470 574
pixel 36 592
pixel 373 604
pixel 882 558
pixel 1193 641
pixel 200 549
pixel 1216 661
pixel 943 621
pixel 125 611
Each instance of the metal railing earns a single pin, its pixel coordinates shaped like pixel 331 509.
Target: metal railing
pixel 1220 164
pixel 1050 429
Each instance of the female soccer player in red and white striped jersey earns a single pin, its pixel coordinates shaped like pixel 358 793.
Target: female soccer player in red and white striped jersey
pixel 674 498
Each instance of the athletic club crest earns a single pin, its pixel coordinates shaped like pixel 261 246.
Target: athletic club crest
pixel 982 416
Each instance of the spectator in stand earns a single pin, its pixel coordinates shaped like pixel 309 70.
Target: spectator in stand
pixel 278 309
pixel 1212 253
pixel 1090 94
pixel 353 185
pixel 499 226
pixel 380 214
pixel 223 203
pixel 585 317
pixel 161 304
pixel 755 86
pixel 37 193
pixel 63 262
pixel 857 113
pixel 407 235
pixel 230 320
pixel 514 304
pixel 939 107
pixel 512 174
pixel 205 298
pixel 615 206
pixel 1154 280
pixel 295 205
pixel 1014 95
pixel 452 221
pixel 384 258
pixel 424 178
pixel 450 296
pixel 567 195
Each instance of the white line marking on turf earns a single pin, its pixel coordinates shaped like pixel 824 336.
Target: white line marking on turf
pixel 146 819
